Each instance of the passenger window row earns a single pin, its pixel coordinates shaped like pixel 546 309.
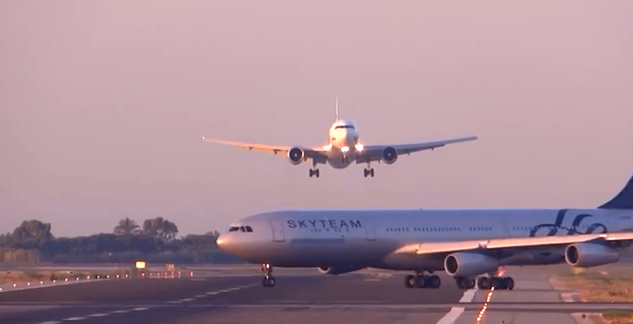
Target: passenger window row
pixel 437 229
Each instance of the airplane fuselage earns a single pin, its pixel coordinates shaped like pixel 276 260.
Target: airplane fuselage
pixel 344 144
pixel 370 238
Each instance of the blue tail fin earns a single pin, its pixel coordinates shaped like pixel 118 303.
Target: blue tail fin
pixel 624 200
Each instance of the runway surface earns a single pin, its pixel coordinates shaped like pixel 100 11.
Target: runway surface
pixel 236 296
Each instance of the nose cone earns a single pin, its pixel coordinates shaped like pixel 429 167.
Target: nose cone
pixel 223 241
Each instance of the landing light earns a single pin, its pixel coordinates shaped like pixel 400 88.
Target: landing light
pixel 345 149
pixel 359 147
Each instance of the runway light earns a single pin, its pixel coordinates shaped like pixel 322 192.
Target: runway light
pixel 482 312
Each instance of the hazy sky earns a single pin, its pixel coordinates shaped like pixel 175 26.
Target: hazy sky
pixel 103 105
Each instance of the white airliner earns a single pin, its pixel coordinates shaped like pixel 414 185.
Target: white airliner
pixel 344 148
pixel 465 243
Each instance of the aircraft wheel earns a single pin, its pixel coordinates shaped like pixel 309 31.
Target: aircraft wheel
pixel 434 282
pixel 268 282
pixel 483 283
pixel 509 283
pixel 420 281
pixel 409 281
pixel 466 283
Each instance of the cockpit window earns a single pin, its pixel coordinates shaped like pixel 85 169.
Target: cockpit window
pixel 241 229
pixel 344 126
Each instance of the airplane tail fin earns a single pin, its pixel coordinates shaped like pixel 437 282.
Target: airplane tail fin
pixel 624 199
pixel 337 108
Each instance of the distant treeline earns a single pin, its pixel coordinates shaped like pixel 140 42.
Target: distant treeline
pixel 154 242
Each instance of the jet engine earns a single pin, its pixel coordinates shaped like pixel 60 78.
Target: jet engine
pixel 389 155
pixel 590 255
pixel 296 155
pixel 336 270
pixel 462 264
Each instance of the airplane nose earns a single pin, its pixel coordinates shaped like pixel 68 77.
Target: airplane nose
pixel 221 241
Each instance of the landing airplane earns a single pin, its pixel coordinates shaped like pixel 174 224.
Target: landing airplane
pixel 343 149
pixel 470 245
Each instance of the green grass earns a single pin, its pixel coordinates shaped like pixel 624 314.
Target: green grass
pixel 618 317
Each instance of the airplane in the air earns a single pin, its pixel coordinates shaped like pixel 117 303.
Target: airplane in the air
pixel 344 148
pixel 470 245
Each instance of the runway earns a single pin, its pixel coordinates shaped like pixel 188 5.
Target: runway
pixel 234 296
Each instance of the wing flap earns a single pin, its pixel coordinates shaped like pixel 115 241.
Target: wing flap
pixel 250 146
pixel 509 243
pixel 318 155
pixel 415 147
pixel 374 152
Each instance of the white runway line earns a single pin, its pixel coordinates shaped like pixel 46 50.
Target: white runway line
pixel 98 315
pixel 119 312
pixel 50 322
pixel 140 309
pixel 74 319
pixel 455 312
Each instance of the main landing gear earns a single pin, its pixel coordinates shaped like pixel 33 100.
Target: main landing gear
pixel 268 280
pixel 314 171
pixel 421 280
pixel 502 283
pixel 465 282
pixel 369 171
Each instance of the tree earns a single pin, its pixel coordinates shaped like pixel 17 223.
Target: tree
pixel 160 228
pixel 127 227
pixel 32 234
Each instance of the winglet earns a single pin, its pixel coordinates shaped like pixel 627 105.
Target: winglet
pixel 624 199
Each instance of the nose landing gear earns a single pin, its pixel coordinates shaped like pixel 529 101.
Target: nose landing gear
pixel 268 280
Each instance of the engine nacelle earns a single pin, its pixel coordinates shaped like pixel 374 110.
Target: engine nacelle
pixel 296 155
pixel 586 255
pixel 389 155
pixel 336 270
pixel 462 264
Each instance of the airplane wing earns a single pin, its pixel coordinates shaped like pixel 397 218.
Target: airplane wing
pixel 511 243
pixel 374 152
pixel 317 154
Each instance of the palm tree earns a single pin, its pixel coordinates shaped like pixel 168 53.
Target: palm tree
pixel 127 227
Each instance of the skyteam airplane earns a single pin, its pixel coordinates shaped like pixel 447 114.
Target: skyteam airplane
pixel 343 149
pixel 470 245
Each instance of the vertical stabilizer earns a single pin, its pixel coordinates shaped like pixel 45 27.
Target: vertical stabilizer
pixel 624 200
pixel 337 108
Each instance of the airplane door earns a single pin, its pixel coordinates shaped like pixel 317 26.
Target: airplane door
pixel 278 230
pixel 371 232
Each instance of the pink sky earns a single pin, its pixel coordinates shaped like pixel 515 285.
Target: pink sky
pixel 103 105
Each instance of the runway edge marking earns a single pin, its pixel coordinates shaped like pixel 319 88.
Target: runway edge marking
pixel 455 312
